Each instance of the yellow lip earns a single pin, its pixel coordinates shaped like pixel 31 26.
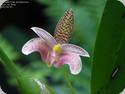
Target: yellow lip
pixel 57 48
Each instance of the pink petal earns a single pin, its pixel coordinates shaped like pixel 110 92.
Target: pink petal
pixel 36 45
pixel 73 60
pixel 45 35
pixel 74 49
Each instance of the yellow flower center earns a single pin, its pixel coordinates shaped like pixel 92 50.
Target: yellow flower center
pixel 57 48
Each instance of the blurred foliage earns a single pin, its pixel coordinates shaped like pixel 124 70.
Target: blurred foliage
pixel 9 49
pixel 24 81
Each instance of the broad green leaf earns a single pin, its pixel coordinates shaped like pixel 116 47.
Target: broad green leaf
pixel 109 54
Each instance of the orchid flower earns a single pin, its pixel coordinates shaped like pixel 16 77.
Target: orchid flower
pixel 56 50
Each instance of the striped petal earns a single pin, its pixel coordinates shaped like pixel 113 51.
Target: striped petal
pixel 36 45
pixel 74 49
pixel 73 60
pixel 45 35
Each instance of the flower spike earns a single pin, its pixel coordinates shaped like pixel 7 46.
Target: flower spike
pixel 64 27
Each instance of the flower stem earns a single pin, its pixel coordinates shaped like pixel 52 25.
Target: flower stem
pixel 73 91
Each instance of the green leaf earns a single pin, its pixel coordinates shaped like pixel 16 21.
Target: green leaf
pixel 109 53
pixel 9 65
pixel 10 50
